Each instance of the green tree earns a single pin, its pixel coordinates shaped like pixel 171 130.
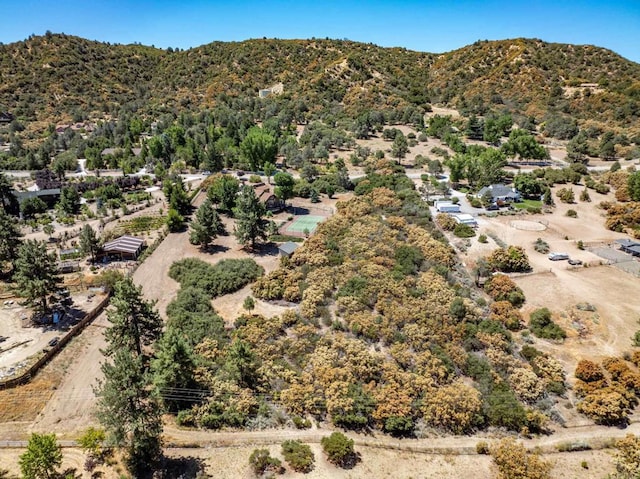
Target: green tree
pixel 177 196
pixel 91 441
pixel 607 147
pixel 69 201
pixel 223 192
pixel 36 272
pixel 42 457
pixel 173 369
pixel 475 128
pixel 261 462
pixel 7 198
pixel 577 149
pixel 9 239
pixel 59 169
pixel 135 324
pixel 89 241
pixel 242 364
pixel 258 147
pixel 633 186
pixel 206 226
pixel 284 185
pixel 175 221
pixel 32 206
pixel 129 409
pixel 269 169
pixel 492 162
pixel 524 145
pixel 309 171
pixel 128 405
pixel 249 212
pixel 400 146
pixel 457 166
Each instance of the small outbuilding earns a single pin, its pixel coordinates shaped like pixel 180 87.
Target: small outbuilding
pixel 447 207
pixel 125 247
pixel 466 219
pixel 287 249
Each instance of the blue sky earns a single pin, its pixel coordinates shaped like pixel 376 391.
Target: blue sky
pixel 431 26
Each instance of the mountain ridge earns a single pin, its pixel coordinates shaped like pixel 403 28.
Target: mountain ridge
pixel 52 77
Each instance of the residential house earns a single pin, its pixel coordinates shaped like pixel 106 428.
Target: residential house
pixel 500 193
pixel 270 200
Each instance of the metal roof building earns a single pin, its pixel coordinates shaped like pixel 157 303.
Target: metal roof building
pixel 287 249
pixel 125 246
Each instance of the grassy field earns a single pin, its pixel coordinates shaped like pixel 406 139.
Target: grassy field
pixel 525 204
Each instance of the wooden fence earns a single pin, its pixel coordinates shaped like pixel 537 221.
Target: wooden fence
pixel 34 368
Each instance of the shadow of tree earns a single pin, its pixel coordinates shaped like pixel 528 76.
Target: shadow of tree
pixel 183 467
pixel 70 472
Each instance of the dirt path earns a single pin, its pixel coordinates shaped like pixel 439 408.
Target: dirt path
pixel 70 409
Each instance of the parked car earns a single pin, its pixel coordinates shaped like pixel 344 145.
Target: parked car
pixel 575 262
pixel 54 341
pixel 558 256
pixel 493 207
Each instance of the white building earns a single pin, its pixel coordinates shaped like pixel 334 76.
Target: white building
pixel 446 207
pixel 466 219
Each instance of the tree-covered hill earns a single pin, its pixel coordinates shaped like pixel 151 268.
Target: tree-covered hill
pixel 537 78
pixel 58 77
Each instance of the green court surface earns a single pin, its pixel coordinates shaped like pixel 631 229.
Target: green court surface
pixel 307 222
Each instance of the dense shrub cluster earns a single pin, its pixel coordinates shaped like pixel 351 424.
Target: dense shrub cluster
pixel 224 277
pixel 609 390
pixel 512 259
pixel 299 456
pixel 541 324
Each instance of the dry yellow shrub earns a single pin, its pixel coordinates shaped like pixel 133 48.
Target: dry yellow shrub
pixel 526 385
pixel 455 407
pixel 514 462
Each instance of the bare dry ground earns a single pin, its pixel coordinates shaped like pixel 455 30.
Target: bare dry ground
pixel 607 331
pixel 232 463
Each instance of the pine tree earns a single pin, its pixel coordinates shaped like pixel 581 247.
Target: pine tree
pixel 249 212
pixel 36 272
pixel 9 238
pixel 128 405
pixel 69 201
pixel 206 226
pixel 400 146
pixel 129 409
pixel 135 324
pixel 88 241
pixel 173 367
pixel 7 199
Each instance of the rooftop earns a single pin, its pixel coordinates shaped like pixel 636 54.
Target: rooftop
pixel 289 247
pixel 124 244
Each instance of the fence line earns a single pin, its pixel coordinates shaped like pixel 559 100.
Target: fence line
pixel 34 368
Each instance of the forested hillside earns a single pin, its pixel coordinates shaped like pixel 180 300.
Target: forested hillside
pixel 55 78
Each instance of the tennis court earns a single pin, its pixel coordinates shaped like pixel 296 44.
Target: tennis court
pixel 306 222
